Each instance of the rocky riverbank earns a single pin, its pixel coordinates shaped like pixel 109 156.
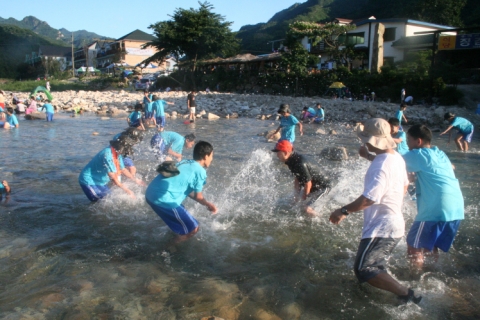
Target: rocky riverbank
pixel 227 105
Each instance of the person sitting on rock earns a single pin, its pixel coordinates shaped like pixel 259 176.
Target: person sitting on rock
pixel 168 145
pixel 287 124
pixel 314 184
pixel 135 118
pixel 32 107
pixel 320 115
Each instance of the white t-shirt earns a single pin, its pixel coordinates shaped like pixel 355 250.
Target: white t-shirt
pixel 384 183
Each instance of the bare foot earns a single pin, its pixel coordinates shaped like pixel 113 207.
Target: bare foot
pixel 310 212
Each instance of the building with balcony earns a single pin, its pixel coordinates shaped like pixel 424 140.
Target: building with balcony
pixel 50 52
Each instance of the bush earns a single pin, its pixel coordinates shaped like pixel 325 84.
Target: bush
pixel 450 96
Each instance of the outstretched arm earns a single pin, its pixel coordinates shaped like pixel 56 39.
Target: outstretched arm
pixel 198 197
pixel 300 125
pixel 359 204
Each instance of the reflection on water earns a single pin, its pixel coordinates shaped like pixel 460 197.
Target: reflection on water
pixel 259 258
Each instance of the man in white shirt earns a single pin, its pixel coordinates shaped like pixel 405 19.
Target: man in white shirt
pixel 385 185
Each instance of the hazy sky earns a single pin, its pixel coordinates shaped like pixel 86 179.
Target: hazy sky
pixel 117 18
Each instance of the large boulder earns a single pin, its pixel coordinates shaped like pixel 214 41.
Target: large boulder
pixel 335 153
pixel 212 116
pixel 35 116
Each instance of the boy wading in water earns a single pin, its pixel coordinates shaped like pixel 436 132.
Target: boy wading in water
pixel 385 185
pixel 174 183
pixel 314 184
pixel 465 130
pixel 192 105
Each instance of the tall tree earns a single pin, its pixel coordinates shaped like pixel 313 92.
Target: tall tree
pixel 194 33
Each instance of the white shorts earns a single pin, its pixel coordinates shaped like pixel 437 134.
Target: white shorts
pixel 193 110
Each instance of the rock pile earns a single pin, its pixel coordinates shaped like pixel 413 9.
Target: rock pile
pixel 226 105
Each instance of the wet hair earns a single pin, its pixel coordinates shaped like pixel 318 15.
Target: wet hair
pixel 138 107
pixel 9 109
pixel 123 145
pixel 145 91
pixel 190 137
pixel 448 116
pixel 134 134
pixel 284 108
pixel 403 106
pixel 154 97
pixel 394 122
pixel 305 108
pixel 420 131
pixel 201 150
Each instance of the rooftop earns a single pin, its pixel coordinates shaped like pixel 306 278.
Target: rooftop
pixel 138 35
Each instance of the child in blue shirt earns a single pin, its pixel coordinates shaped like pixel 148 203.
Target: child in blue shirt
pixel 148 109
pixel 400 116
pixel 398 136
pixel 158 107
pixel 287 124
pixel 464 127
pixel 320 116
pixel 49 110
pixel 135 118
pixel 308 114
pixel 10 120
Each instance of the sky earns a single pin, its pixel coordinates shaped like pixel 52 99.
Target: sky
pixel 115 19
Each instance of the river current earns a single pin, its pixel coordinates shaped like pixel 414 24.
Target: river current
pixel 62 257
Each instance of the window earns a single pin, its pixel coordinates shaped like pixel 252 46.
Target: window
pixel 389 34
pixel 352 38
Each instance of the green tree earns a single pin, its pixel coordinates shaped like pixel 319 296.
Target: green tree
pixel 446 12
pixel 194 33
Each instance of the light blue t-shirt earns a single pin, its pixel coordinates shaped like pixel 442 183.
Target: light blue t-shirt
pixel 288 128
pixel 12 120
pixel 462 124
pixel 48 108
pixel 320 113
pixel 311 111
pixel 135 116
pixel 439 197
pixel 159 108
pixel 96 171
pixel 173 141
pixel 170 192
pixel 402 147
pixel 148 104
pixel 2 189
pixel 399 115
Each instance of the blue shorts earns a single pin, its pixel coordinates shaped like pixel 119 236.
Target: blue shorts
pixel 467 136
pixel 128 162
pixel 95 193
pixel 178 219
pixel 431 234
pixel 318 120
pixel 160 121
pixel 49 116
pixel 135 124
pixel 148 114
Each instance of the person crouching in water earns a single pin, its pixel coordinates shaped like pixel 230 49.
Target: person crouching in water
pixel 135 118
pixel 174 183
pixel 313 183
pixel 107 166
pixel 308 114
pixel 169 145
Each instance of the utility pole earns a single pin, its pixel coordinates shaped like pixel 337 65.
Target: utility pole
pixel 73 62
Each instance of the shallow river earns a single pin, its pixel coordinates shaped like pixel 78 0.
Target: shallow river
pixel 258 258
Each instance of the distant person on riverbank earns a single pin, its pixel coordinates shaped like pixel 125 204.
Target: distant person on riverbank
pixel 168 145
pixel 402 95
pixel 159 109
pixel 192 106
pixel 320 115
pixel 49 110
pixel 107 166
pixel 32 107
pixel 373 96
pixel 135 118
pixel 11 120
pixel 400 115
pixel 20 108
pixel 309 184
pixel 465 130
pixel 287 124
pixel 439 198
pixel 47 85
pixel 14 98
pixel 399 136
pixel 385 185
pixel 2 99
pixel 174 183
pixel 148 107
pixel 308 113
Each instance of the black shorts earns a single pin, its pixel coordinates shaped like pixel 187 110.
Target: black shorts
pixel 372 256
pixel 315 195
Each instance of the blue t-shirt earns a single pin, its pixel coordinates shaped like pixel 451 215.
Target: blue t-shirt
pixel 288 127
pixel 399 115
pixel 135 116
pixel 148 104
pixel 96 171
pixel 170 192
pixel 462 125
pixel 48 108
pixel 311 111
pixel 439 197
pixel 2 189
pixel 173 141
pixel 402 147
pixel 320 113
pixel 159 108
pixel 12 120
pixel 1 109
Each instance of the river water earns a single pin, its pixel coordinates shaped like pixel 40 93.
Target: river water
pixel 258 258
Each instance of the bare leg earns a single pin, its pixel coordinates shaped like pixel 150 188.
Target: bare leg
pixel 310 212
pixel 465 145
pixel 416 257
pixel 182 238
pixel 385 282
pixel 458 142
pixel 133 171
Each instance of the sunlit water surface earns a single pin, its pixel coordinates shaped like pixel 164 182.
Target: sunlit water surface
pixel 258 258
